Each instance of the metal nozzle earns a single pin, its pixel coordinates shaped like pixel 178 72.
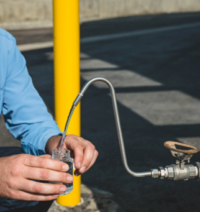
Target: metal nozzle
pixel 78 99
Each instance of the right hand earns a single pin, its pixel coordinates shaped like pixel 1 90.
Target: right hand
pixel 17 173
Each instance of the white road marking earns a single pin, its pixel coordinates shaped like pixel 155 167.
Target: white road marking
pixel 163 108
pixel 137 33
pixel 33 46
pixel 118 77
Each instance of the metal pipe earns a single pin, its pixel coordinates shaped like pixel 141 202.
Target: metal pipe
pixel 117 120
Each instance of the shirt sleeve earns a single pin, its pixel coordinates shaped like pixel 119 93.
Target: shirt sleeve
pixel 25 113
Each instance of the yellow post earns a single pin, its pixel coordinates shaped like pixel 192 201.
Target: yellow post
pixel 67 76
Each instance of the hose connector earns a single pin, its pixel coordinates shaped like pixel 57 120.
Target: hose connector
pixel 78 99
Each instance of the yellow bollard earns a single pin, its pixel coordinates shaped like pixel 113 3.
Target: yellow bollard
pixel 74 197
pixel 67 76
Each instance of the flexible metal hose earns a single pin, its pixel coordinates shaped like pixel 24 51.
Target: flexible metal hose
pixel 117 120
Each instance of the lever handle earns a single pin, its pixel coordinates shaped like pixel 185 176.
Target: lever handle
pixel 171 145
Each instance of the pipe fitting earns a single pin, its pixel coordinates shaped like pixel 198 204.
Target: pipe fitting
pixel 155 173
pixel 170 171
pixel 162 173
pixel 180 172
pixel 193 171
pixel 197 164
pixel 78 99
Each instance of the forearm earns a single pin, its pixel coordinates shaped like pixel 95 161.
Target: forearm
pixel 52 143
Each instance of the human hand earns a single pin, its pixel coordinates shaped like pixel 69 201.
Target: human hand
pixel 17 171
pixel 84 151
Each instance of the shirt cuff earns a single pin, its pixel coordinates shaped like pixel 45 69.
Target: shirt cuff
pixel 38 144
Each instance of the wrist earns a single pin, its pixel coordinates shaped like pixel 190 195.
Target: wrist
pixel 52 143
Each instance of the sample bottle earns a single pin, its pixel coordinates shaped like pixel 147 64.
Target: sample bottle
pixel 64 156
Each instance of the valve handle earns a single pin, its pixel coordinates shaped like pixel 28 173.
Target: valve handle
pixel 171 145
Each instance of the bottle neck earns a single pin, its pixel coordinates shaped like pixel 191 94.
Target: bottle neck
pixel 59 155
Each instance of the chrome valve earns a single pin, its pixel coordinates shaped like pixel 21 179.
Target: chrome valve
pixel 180 170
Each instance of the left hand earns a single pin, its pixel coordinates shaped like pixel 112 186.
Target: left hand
pixel 85 153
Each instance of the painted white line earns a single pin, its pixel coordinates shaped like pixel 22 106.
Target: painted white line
pixel 34 46
pixel 138 32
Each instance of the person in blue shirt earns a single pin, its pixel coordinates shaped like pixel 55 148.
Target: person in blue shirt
pixel 28 120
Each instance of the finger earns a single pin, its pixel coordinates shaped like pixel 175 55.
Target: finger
pixel 78 156
pixel 47 175
pixel 76 144
pixel 88 156
pixel 45 156
pixel 21 195
pixel 44 162
pixel 91 164
pixel 93 159
pixel 42 188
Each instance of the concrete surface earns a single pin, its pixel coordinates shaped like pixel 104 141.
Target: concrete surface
pixel 156 77
pixel 18 14
pixel 93 200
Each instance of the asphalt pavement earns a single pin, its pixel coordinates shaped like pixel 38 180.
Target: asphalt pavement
pixel 156 77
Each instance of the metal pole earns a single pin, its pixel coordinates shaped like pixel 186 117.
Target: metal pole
pixel 67 75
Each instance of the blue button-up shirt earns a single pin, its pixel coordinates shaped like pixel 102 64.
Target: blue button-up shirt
pixel 25 113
